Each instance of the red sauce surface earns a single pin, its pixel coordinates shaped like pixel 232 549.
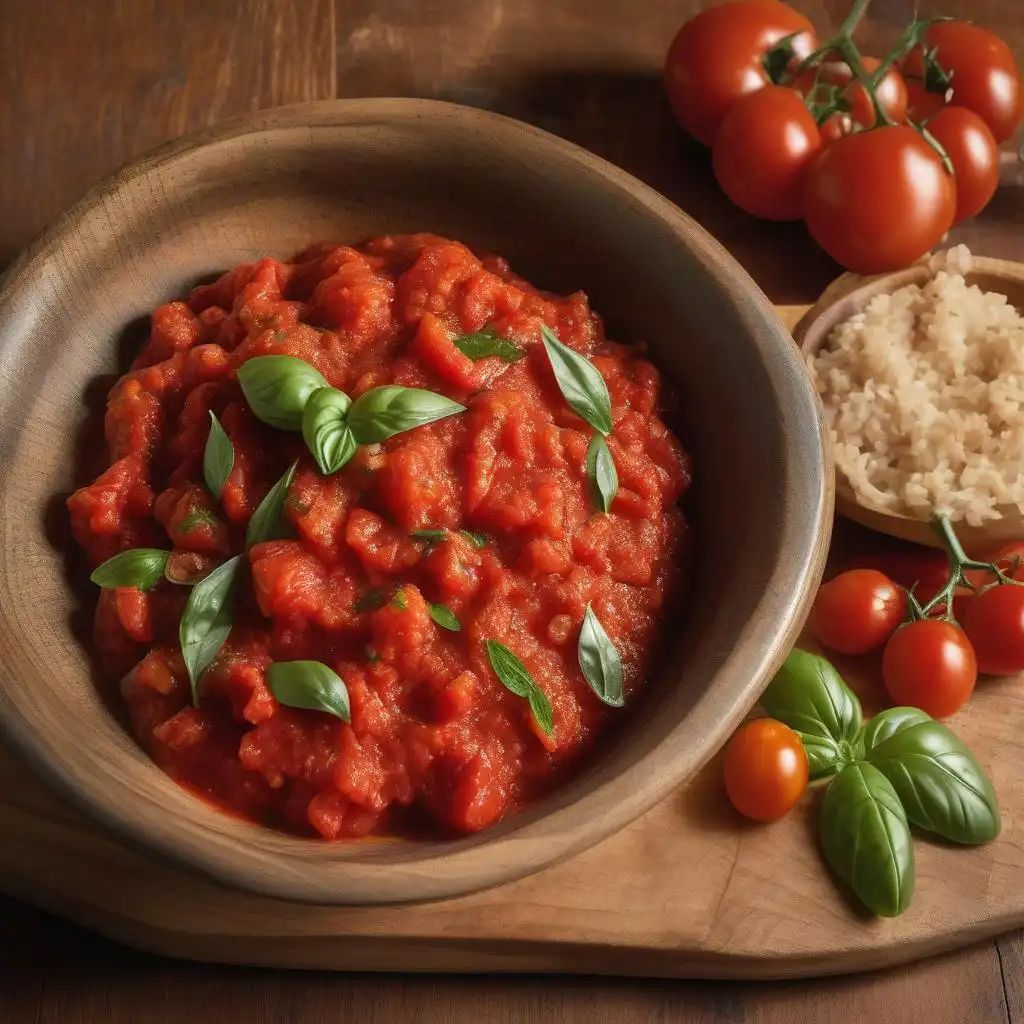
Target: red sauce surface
pixel 436 740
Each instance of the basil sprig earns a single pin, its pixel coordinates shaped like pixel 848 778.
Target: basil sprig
pixel 218 457
pixel 901 767
pixel 488 343
pixel 206 622
pixel 601 473
pixel 940 783
pixel 265 523
pixel 310 685
pixel 382 412
pixel 515 677
pixel 325 430
pixel 600 661
pixel 142 568
pixel 809 696
pixel 581 384
pixel 444 617
pixel 278 387
pixel 866 838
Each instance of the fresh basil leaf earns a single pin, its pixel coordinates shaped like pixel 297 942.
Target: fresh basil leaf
pixel 218 458
pixel 142 568
pixel 277 388
pixel 198 517
pixel 325 431
pixel 382 412
pixel 265 523
pixel 478 540
pixel 310 685
pixel 207 619
pixel 399 600
pixel 540 708
pixel 444 617
pixel 431 536
pixel 601 474
pixel 942 787
pixel 600 661
pixel 809 696
pixel 581 384
pixel 866 839
pixel 488 343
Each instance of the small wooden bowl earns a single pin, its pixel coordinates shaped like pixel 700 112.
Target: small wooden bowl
pixel 849 294
pixel 272 184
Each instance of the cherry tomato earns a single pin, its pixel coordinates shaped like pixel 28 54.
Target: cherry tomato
pixel 930 664
pixel 763 150
pixel 995 627
pixel 925 569
pixel 975 155
pixel 922 105
pixel 878 200
pixel 857 611
pixel 717 57
pixel 891 91
pixel 1009 557
pixel 981 69
pixel 766 769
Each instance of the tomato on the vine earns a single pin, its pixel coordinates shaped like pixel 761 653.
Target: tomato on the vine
pixel 973 150
pixel 766 769
pixel 857 611
pixel 995 626
pixel 981 71
pixel 762 152
pixel 922 104
pixel 718 56
pixel 930 664
pixel 879 200
pixel 891 93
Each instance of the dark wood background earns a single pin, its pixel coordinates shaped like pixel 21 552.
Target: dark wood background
pixel 91 85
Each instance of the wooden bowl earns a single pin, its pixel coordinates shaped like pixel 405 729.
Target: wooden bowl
pixel 271 184
pixel 848 295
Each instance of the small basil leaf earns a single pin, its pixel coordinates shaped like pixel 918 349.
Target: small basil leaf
pixel 382 412
pixel 218 458
pixel 478 540
pixel 444 617
pixel 601 474
pixel 809 696
pixel 488 343
pixel 142 568
pixel 431 536
pixel 206 621
pixel 540 708
pixel 942 787
pixel 278 387
pixel 600 661
pixel 198 517
pixel 265 523
pixel 399 600
pixel 581 384
pixel 325 431
pixel 310 685
pixel 866 839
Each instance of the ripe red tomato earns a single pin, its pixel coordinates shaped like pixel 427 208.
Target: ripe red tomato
pixel 857 611
pixel 766 769
pixel 930 664
pixel 981 69
pixel 878 200
pixel 995 627
pixel 891 91
pixel 922 105
pixel 975 155
pixel 1009 557
pixel 763 150
pixel 717 57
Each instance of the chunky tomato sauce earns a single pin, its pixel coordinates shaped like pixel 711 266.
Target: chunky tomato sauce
pixel 436 741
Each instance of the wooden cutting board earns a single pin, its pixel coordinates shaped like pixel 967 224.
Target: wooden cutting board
pixel 689 890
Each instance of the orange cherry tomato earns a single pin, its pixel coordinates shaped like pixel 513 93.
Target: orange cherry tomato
pixel 857 611
pixel 766 769
pixel 930 664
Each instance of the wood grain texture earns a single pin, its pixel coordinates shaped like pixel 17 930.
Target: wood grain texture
pixel 848 295
pixel 273 184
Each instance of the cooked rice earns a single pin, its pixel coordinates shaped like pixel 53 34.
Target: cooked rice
pixel 923 394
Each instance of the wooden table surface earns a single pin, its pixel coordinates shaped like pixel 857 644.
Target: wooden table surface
pixel 90 88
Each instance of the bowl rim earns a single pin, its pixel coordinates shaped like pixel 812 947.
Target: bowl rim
pixel 453 872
